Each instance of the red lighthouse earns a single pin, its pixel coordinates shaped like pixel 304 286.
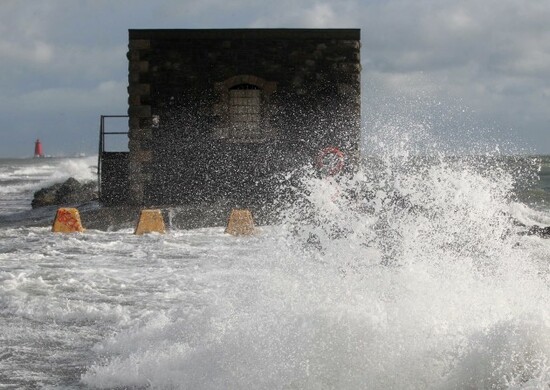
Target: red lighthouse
pixel 38 149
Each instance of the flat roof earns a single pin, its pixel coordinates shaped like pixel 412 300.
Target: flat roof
pixel 248 33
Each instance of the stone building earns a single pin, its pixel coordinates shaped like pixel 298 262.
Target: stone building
pixel 224 114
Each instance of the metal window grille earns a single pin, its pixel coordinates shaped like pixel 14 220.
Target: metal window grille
pixel 244 112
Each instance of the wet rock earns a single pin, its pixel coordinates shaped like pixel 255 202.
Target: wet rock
pixel 534 230
pixel 543 232
pixel 69 192
pixel 45 196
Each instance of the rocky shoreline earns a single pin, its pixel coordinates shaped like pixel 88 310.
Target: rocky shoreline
pixel 85 196
pixel 67 193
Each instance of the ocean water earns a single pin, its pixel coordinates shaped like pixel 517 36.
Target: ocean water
pixel 415 273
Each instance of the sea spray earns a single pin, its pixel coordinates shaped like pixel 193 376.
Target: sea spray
pixel 20 178
pixel 412 273
pixel 82 169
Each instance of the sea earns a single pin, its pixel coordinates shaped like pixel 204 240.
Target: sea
pixel 416 272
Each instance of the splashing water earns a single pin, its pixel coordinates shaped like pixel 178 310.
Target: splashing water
pixel 412 273
pixel 20 178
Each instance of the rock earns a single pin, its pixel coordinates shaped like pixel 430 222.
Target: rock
pixel 534 230
pixel 45 196
pixel 69 192
pixel 543 232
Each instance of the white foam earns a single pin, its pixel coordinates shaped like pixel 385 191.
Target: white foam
pixel 78 168
pixel 20 179
pixel 424 283
pixel 411 274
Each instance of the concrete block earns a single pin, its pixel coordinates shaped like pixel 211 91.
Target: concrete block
pixel 139 89
pixel 150 221
pixel 67 220
pixel 139 111
pixel 139 44
pixel 139 66
pixel 240 223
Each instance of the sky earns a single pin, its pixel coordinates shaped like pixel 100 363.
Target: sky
pixel 464 68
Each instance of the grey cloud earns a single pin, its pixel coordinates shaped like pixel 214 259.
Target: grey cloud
pixel 490 59
pixel 68 99
pixel 492 56
pixel 309 14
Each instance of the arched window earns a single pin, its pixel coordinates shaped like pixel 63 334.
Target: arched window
pixel 245 112
pixel 243 109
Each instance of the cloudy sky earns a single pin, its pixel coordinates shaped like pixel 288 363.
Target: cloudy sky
pixel 476 67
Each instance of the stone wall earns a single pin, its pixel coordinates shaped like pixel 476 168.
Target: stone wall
pixel 180 125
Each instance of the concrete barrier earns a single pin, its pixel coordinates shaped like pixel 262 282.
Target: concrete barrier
pixel 150 221
pixel 67 220
pixel 240 223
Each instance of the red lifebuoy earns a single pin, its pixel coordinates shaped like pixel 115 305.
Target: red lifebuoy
pixel 335 152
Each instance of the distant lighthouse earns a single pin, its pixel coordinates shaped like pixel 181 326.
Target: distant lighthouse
pixel 38 149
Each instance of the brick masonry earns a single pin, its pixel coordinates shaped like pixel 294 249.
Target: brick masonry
pixel 178 94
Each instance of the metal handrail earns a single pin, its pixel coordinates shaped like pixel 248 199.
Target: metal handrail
pixel 102 134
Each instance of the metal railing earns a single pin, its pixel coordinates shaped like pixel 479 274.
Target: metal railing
pixel 102 134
